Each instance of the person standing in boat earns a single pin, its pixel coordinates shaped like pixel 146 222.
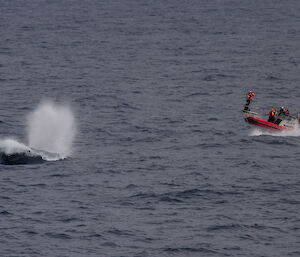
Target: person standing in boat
pixel 271 115
pixel 250 96
pixel 282 111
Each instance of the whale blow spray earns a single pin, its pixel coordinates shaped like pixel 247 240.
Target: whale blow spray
pixel 51 127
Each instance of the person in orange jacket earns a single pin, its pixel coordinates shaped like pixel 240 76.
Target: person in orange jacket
pixel 271 115
pixel 250 96
pixel 282 111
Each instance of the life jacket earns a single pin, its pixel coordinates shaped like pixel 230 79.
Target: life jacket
pixel 251 95
pixel 282 110
pixel 272 112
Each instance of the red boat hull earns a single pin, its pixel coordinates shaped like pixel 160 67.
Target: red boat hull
pixel 264 124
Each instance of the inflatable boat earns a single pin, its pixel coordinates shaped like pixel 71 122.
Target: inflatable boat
pixel 281 122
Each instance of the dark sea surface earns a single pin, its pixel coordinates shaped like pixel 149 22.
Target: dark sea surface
pixel 163 163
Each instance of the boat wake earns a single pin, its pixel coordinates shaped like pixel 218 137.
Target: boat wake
pixel 51 130
pixel 286 133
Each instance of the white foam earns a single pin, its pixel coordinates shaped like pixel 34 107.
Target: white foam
pixel 10 146
pixel 287 133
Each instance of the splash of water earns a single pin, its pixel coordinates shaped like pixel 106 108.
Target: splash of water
pixel 288 133
pixel 10 146
pixel 51 127
pixel 51 130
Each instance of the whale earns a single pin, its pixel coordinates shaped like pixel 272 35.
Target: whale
pixel 12 153
pixel 20 158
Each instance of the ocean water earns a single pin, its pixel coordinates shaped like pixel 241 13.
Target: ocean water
pixel 162 163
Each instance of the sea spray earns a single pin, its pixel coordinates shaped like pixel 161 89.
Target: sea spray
pixel 295 132
pixel 51 127
pixel 10 146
